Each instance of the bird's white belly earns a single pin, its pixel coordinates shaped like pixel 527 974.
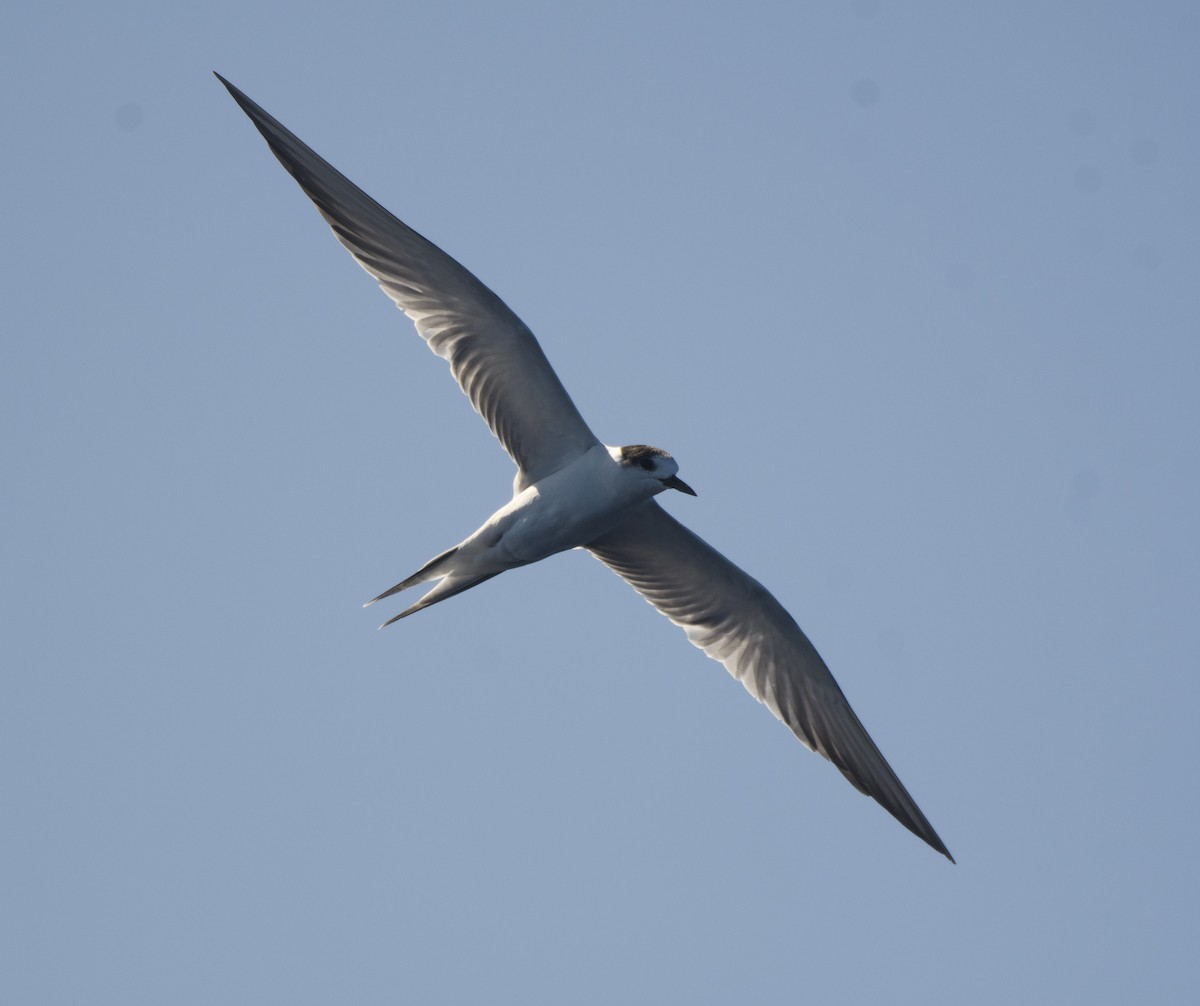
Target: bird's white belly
pixel 563 510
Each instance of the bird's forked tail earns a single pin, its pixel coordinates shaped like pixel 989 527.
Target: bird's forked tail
pixel 438 568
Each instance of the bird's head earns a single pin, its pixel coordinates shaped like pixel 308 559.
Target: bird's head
pixel 652 465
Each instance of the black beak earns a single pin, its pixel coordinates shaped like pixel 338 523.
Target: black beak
pixel 675 482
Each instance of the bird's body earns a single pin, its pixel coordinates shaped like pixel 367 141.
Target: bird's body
pixel 566 509
pixel 572 491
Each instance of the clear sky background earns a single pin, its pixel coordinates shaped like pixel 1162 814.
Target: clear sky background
pixel 910 290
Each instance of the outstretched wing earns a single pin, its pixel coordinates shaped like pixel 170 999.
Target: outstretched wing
pixel 735 620
pixel 493 355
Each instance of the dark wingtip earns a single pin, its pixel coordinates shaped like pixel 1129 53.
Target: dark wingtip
pixel 930 838
pixel 935 843
pixel 246 104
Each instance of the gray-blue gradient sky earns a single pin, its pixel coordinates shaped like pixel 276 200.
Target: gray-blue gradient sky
pixel 910 290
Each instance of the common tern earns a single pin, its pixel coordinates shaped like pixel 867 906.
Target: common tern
pixel 572 491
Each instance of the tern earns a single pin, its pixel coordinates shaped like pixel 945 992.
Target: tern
pixel 572 491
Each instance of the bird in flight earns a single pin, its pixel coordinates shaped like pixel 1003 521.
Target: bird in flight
pixel 572 491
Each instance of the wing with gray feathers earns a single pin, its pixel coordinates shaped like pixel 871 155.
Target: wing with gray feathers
pixel 735 620
pixel 493 355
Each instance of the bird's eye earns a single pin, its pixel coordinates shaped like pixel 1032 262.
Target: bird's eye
pixel 646 463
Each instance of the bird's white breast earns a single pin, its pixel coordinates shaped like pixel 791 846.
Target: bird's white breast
pixel 563 510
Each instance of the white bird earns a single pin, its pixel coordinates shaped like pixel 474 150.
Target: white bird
pixel 572 491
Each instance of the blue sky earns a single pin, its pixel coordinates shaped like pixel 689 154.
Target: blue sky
pixel 910 292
